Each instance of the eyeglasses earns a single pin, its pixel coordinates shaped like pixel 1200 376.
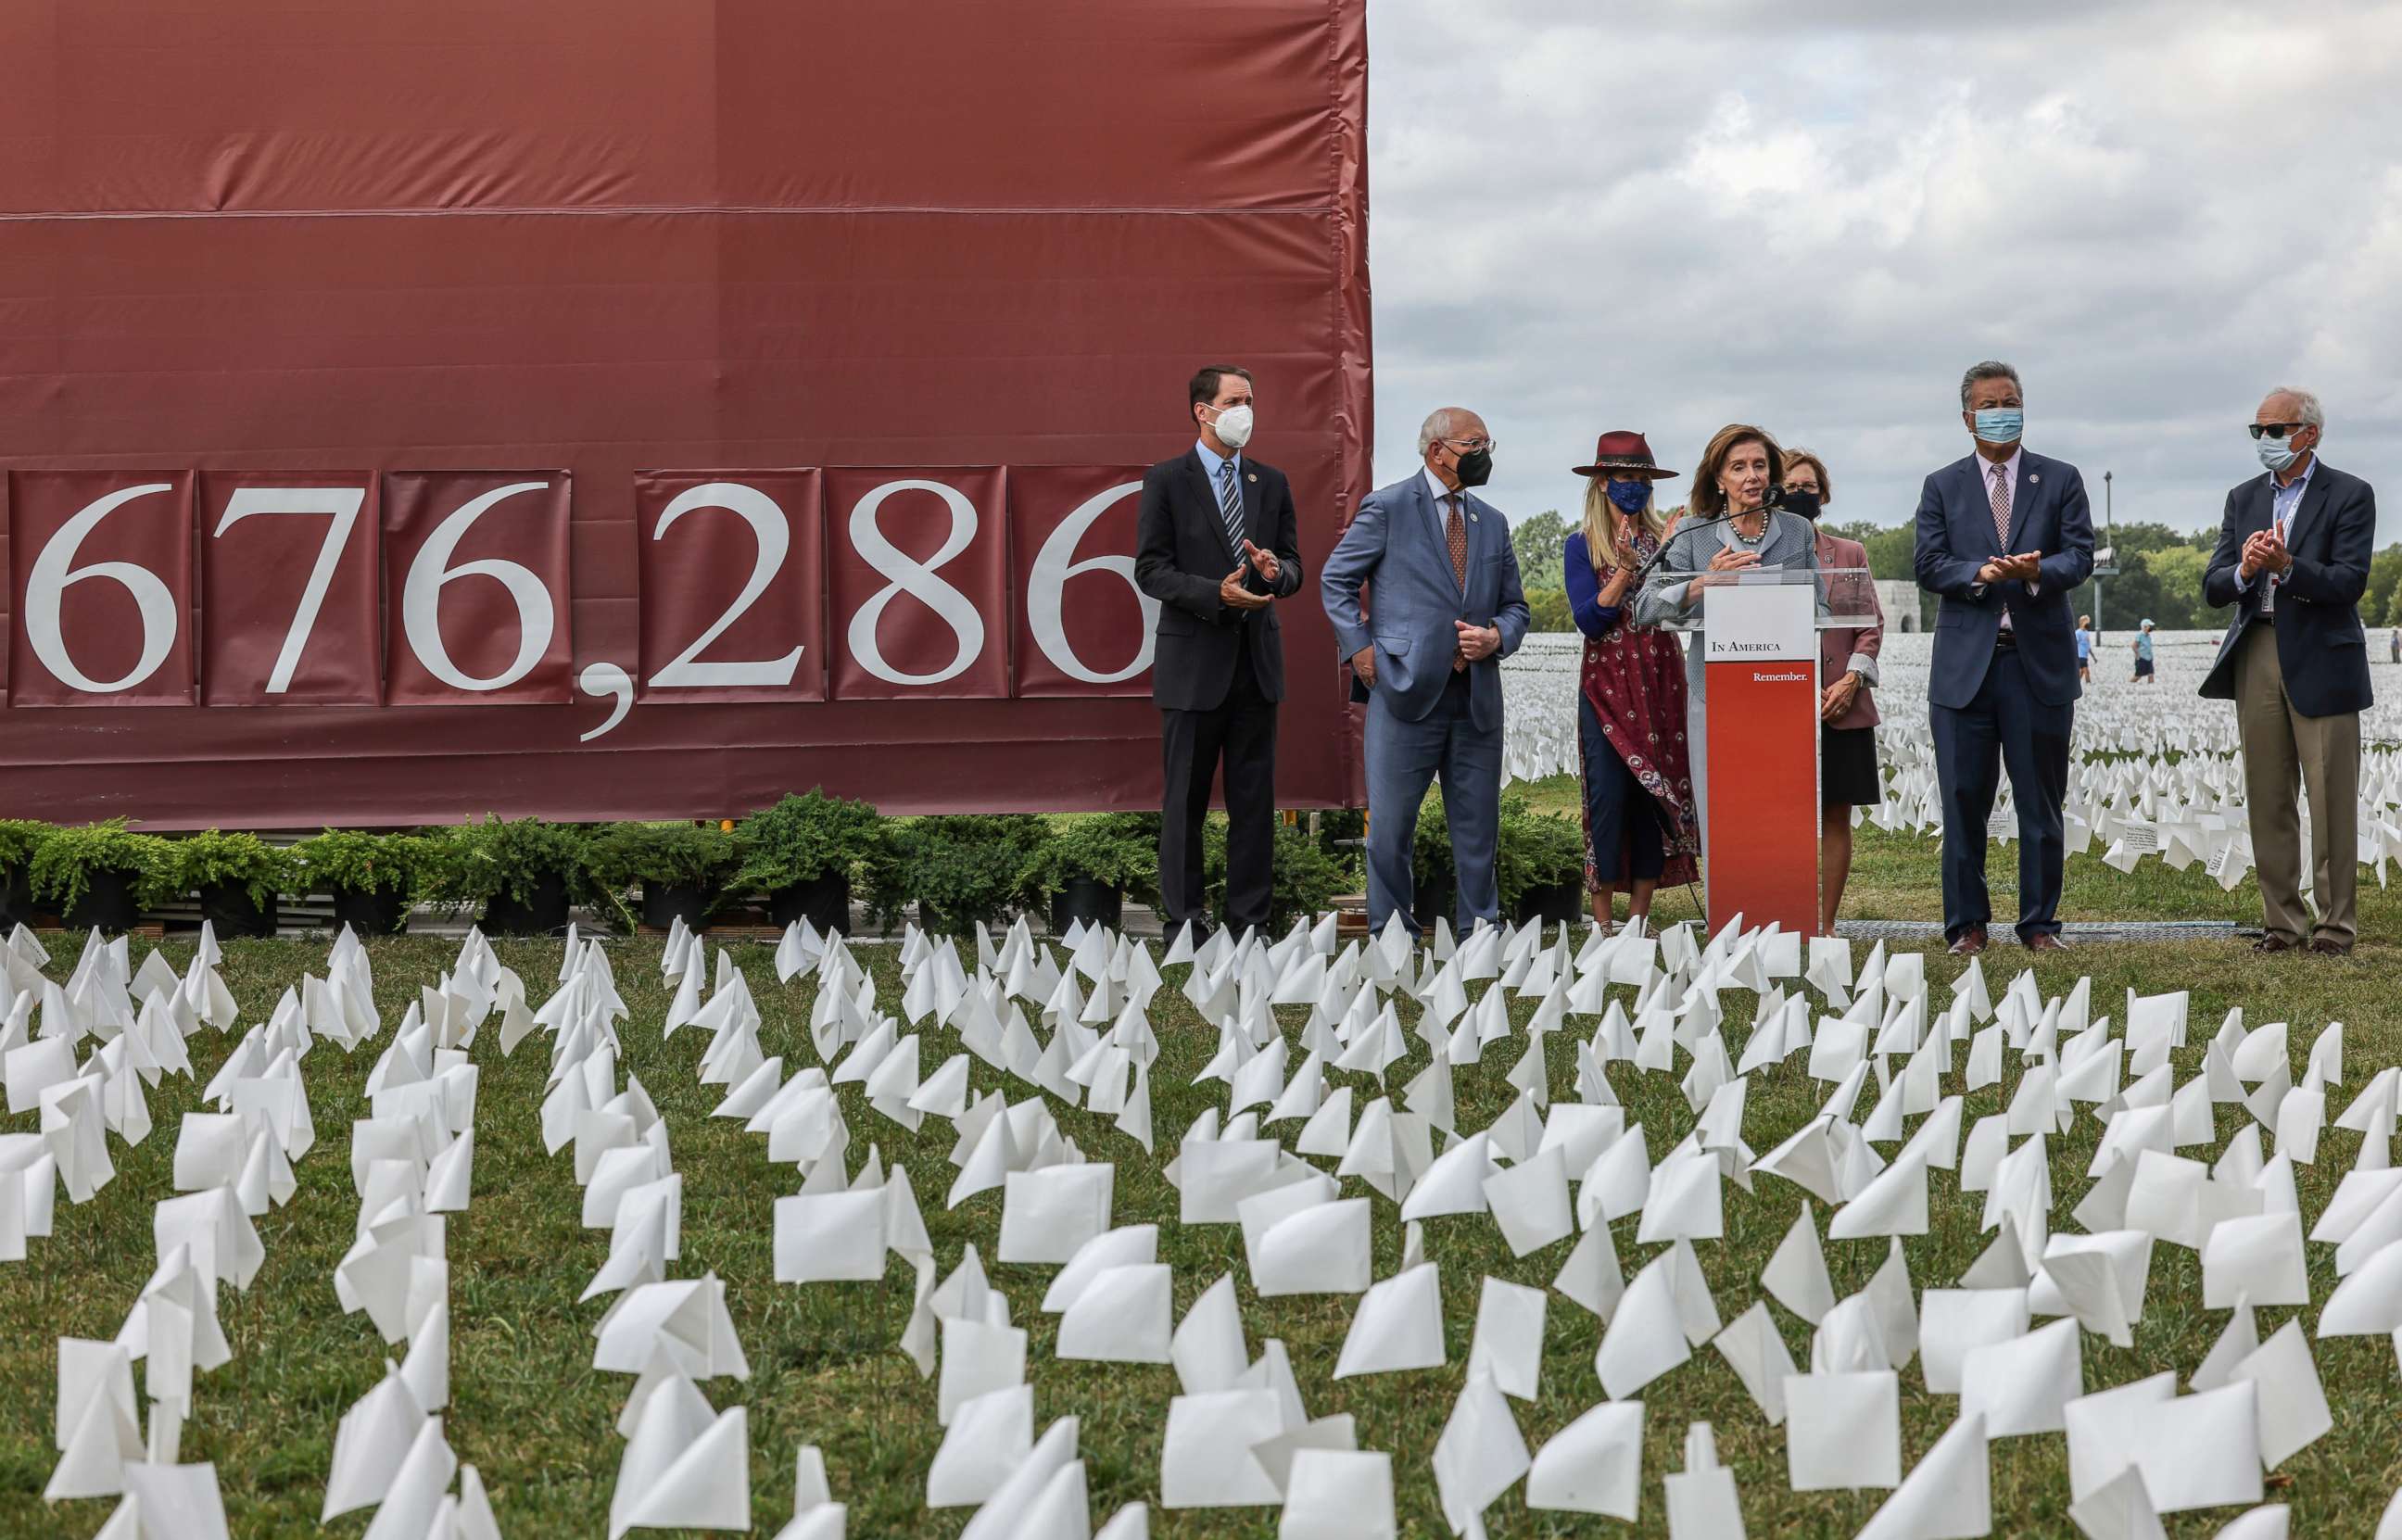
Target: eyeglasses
pixel 1469 446
pixel 2277 429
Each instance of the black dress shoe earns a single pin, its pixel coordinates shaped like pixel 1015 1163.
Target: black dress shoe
pixel 2044 941
pixel 2273 943
pixel 1970 941
pixel 2327 946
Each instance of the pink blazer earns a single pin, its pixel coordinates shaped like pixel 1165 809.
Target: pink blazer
pixel 1842 651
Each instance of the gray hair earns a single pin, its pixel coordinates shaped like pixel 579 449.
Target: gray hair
pixel 2306 405
pixel 1993 368
pixel 1437 425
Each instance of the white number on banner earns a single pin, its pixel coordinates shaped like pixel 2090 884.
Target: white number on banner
pixel 55 571
pixel 918 580
pixel 422 597
pixel 1047 586
pixel 768 525
pixel 343 503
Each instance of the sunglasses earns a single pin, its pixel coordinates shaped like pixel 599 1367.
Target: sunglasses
pixel 2277 429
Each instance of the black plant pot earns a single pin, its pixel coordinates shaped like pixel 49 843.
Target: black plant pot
pixel 16 897
pixel 1433 899
pixel 1086 899
pixel 663 903
pixel 228 908
pixel 543 914
pixel 1552 903
pixel 371 910
pixel 824 902
pixel 107 904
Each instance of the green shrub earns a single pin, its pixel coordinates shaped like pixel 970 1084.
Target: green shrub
pixel 1536 850
pixel 216 860
pixel 18 839
pixel 1121 849
pixel 1304 879
pixel 679 855
pixel 65 859
pixel 474 863
pixel 344 859
pixel 960 866
pixel 1431 860
pixel 803 838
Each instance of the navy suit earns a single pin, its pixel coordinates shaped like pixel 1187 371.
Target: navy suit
pixel 1216 677
pixel 1424 718
pixel 2320 648
pixel 1996 699
pixel 2299 675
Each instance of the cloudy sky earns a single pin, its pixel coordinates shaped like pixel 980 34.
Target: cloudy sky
pixel 1814 216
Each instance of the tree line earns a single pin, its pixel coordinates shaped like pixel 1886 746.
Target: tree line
pixel 2159 575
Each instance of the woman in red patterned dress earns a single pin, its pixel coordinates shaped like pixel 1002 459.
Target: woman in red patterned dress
pixel 1639 825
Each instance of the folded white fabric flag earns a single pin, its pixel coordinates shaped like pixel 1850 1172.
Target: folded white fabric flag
pixel 1339 1494
pixel 1398 1325
pixel 1948 1495
pixel 1480 1456
pixel 1843 1431
pixel 1595 1464
pixel 1205 1461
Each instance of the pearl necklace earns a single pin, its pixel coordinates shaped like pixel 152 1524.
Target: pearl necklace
pixel 1735 528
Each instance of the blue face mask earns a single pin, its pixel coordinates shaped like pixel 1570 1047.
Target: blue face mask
pixel 2276 454
pixel 2000 424
pixel 1630 496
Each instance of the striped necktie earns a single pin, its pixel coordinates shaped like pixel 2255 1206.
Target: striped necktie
pixel 1230 505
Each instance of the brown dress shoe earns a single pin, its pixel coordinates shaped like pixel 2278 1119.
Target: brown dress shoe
pixel 2273 943
pixel 1971 942
pixel 2327 946
pixel 2044 941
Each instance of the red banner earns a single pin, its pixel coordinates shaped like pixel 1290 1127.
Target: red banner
pixel 919 560
pixel 101 587
pixel 695 236
pixel 732 585
pixel 1084 629
pixel 289 575
pixel 476 588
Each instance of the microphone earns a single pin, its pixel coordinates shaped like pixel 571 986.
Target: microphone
pixel 1777 498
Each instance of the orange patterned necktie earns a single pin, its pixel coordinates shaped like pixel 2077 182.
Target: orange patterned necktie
pixel 1457 533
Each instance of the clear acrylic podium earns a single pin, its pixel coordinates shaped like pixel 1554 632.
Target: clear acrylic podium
pixel 1758 631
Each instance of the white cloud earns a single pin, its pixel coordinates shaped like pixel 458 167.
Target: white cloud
pixel 1813 217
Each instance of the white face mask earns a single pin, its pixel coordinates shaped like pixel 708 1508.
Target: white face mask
pixel 1234 427
pixel 2277 453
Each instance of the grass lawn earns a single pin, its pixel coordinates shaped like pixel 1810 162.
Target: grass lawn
pixel 530 1411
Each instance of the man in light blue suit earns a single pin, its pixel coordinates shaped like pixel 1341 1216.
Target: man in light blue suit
pixel 1444 608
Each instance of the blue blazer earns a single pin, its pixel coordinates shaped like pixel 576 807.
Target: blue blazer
pixel 1394 547
pixel 2048 513
pixel 2320 649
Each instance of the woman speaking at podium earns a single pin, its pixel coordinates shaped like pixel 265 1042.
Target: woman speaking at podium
pixel 1728 529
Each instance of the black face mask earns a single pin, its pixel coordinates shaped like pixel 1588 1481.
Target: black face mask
pixel 1475 468
pixel 1804 503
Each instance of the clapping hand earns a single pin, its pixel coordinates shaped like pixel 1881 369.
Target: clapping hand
pixel 1263 562
pixel 2024 568
pixel 1232 593
pixel 2265 552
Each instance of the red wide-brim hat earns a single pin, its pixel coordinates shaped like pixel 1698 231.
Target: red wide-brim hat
pixel 1622 451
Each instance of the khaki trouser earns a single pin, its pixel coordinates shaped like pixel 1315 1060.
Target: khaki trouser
pixel 2284 750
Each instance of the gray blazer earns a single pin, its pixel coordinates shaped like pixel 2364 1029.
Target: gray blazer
pixel 1394 546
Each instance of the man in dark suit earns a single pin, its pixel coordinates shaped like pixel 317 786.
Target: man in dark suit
pixel 2003 537
pixel 1217 544
pixel 2293 559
